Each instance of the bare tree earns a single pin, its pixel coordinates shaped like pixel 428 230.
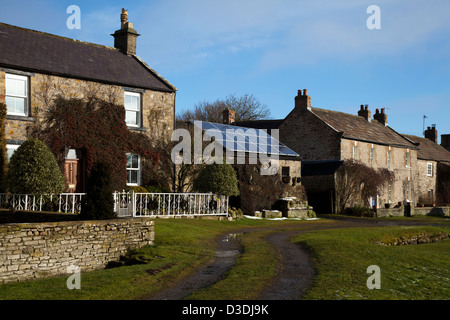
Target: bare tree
pixel 246 107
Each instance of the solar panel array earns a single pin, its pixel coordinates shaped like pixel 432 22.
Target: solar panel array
pixel 241 139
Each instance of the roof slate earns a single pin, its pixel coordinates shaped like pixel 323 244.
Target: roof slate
pixel 33 51
pixel 428 150
pixel 358 128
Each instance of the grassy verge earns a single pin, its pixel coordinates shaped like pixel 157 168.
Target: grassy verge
pixel 408 272
pixel 181 245
pixel 253 270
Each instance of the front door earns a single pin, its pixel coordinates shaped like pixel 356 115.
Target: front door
pixel 71 172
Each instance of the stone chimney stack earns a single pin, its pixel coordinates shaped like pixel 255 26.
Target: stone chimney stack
pixel 431 133
pixel 229 116
pixel 302 100
pixel 365 112
pixel 125 38
pixel 381 117
pixel 445 141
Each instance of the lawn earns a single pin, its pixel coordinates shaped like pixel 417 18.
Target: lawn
pixel 408 272
pixel 341 258
pixel 181 245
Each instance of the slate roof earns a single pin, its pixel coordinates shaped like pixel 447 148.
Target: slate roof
pixel 34 51
pixel 428 150
pixel 357 128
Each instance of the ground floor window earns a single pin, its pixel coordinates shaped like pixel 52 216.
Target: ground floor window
pixel 133 169
pixel 10 149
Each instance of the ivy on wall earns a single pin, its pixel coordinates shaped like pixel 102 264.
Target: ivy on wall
pixel 98 128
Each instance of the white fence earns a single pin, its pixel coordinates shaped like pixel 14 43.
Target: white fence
pixel 126 204
pixel 62 203
pixel 131 204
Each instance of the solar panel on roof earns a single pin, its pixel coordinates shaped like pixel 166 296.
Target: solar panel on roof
pixel 241 139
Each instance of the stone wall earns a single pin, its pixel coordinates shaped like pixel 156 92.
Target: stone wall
pixel 400 211
pixel 158 108
pixel 403 172
pixel 313 139
pixel 38 250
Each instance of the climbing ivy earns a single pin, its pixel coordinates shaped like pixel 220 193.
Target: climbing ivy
pixel 98 128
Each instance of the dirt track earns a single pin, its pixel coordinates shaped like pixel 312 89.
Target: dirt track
pixel 295 270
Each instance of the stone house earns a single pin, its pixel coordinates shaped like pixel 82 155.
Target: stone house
pixel 35 67
pixel 244 150
pixel 433 161
pixel 324 139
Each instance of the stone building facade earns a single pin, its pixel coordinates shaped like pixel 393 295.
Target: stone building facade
pixel 433 161
pixel 36 67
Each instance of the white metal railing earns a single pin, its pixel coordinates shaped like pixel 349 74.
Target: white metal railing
pixel 133 204
pixel 61 203
pixel 126 204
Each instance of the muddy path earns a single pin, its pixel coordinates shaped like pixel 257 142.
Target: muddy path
pixel 295 271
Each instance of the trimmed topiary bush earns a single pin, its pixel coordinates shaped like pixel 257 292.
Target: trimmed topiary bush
pixel 33 170
pixel 217 178
pixel 98 204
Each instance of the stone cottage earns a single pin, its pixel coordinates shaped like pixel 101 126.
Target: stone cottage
pixel 35 67
pixel 433 162
pixel 324 139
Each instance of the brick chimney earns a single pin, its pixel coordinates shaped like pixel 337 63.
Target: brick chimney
pixel 125 38
pixel 302 100
pixel 445 141
pixel 365 112
pixel 381 117
pixel 229 116
pixel 431 133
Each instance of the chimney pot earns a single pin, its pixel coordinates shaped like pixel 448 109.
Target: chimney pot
pixel 303 102
pixel 431 134
pixel 381 117
pixel 229 116
pixel 125 38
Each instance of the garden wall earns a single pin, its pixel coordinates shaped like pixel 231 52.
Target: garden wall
pixel 415 211
pixel 38 250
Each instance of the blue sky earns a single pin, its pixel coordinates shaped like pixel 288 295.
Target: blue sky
pixel 210 49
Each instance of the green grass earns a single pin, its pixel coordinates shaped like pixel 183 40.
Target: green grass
pixel 408 272
pixel 341 257
pixel 181 245
pixel 245 281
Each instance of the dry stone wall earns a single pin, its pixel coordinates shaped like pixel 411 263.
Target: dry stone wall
pixel 38 250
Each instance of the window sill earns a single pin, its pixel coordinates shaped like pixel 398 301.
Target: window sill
pixel 20 118
pixel 136 128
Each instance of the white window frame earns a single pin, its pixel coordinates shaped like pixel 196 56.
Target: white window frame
pixel 407 159
pixel 371 154
pixel 13 147
pixel 430 169
pixel 138 111
pixel 138 169
pixel 26 96
pixel 390 191
pixel 355 155
pixel 389 159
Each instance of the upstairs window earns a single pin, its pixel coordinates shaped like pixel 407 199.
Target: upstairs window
pixel 355 155
pixel 133 109
pixel 389 159
pixel 407 159
pixel 16 95
pixel 429 169
pixel 371 157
